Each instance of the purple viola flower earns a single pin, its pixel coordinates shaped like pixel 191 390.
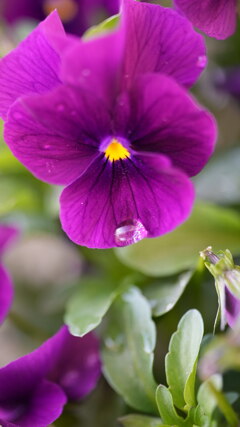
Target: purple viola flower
pixel 77 15
pixel 110 120
pixel 7 234
pixel 228 80
pixel 227 282
pixel 35 388
pixel 217 18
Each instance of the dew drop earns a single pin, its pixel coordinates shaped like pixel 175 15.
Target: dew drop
pixel 46 146
pixel 129 232
pixel 202 61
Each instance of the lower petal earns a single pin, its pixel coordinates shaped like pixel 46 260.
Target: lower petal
pixel 116 204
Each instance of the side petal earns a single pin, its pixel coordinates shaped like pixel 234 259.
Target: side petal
pixel 160 40
pixel 33 67
pixel 6 293
pixel 217 18
pixel 139 197
pixel 55 135
pixel 78 368
pixel 43 406
pixel 167 120
pixel 232 308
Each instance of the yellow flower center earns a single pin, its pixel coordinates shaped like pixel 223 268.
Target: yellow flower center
pixel 67 9
pixel 116 151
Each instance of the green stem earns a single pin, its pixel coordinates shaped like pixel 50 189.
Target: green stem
pixel 224 406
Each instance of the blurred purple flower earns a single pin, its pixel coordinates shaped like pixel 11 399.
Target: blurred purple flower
pixel 77 15
pixel 109 119
pixel 227 282
pixel 228 80
pixel 35 388
pixel 7 234
pixel 217 18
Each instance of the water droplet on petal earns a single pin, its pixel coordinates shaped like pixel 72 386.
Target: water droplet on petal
pixel 202 61
pixel 60 107
pixel 129 232
pixel 46 146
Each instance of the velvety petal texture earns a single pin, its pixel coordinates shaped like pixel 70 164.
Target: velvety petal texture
pixel 119 131
pixel 160 40
pixel 34 388
pixel 77 15
pixel 217 18
pixel 7 235
pixel 33 66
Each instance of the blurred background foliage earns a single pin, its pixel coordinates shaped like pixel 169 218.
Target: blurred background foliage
pixel 56 280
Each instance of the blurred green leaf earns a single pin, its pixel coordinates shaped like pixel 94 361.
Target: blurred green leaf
pixel 179 250
pixel 166 407
pixel 107 25
pixel 182 359
pixel 17 194
pixel 89 304
pixel 219 181
pixel 207 401
pixel 164 294
pixel 140 421
pixel 128 351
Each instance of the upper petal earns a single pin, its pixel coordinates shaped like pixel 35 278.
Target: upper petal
pixel 57 135
pixel 160 40
pixel 144 195
pixel 217 18
pixel 33 67
pixel 165 119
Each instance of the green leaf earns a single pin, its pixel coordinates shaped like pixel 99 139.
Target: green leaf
pixel 89 304
pixel 179 250
pixel 165 293
pixel 140 421
pixel 166 407
pixel 107 25
pixel 128 352
pixel 182 359
pixel 206 398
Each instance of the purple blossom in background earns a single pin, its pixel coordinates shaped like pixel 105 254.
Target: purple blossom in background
pixel 77 15
pixel 35 388
pixel 217 18
pixel 111 120
pixel 227 282
pixel 7 234
pixel 228 80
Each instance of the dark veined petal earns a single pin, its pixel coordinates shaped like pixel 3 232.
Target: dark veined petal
pixel 56 135
pixel 160 40
pixel 217 18
pixel 33 66
pixel 167 120
pixel 114 204
pixel 45 405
